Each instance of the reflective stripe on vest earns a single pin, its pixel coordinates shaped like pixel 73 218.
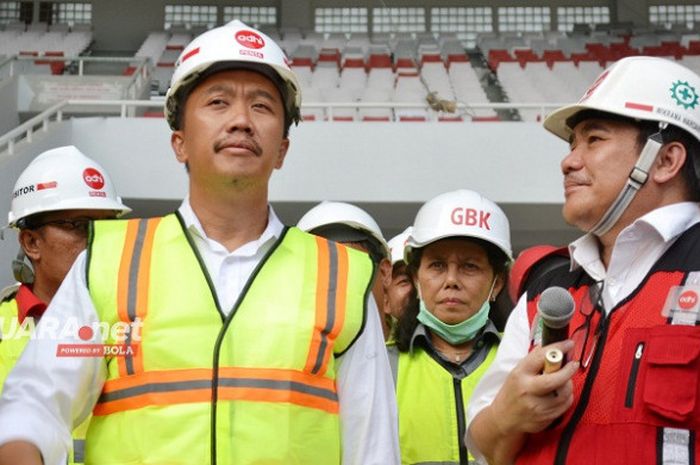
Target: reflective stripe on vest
pixel 275 382
pixel 331 289
pixel 428 417
pixel 187 386
pixel 675 442
pixel 134 273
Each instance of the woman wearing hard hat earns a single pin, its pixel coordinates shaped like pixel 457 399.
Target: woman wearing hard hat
pixel 457 254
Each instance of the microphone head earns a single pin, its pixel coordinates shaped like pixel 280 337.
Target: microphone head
pixel 556 307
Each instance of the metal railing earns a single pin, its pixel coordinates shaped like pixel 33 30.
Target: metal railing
pixel 463 109
pixel 26 130
pixel 127 108
pixel 140 77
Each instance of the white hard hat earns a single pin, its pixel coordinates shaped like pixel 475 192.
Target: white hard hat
pixel 644 88
pixel 397 244
pixel 460 213
pixel 341 213
pixel 232 46
pixel 63 179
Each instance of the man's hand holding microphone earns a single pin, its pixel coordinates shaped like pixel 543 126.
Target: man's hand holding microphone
pixel 539 389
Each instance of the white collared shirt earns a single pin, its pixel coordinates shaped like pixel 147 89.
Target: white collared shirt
pixel 230 270
pixel 636 249
pixel 45 395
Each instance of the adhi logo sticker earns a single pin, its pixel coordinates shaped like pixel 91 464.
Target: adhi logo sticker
pixel 93 178
pixel 687 300
pixel 250 39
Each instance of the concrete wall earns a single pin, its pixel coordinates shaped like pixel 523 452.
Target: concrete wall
pixel 9 117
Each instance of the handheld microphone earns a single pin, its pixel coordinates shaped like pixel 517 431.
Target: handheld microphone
pixel 555 307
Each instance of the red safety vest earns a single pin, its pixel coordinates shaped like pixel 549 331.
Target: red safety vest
pixel 638 401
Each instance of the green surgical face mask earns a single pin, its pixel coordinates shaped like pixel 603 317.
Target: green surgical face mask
pixel 460 332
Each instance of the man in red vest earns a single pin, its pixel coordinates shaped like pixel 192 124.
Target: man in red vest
pixel 629 393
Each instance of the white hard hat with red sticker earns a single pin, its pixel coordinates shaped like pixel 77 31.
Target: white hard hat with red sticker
pixel 234 45
pixel 460 213
pixel 644 88
pixel 63 179
pixel 397 244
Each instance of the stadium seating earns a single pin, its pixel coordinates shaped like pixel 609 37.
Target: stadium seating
pixel 530 68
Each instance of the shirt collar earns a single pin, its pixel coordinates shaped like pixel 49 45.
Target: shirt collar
pixel 666 223
pixel 272 231
pixel 421 333
pixel 28 304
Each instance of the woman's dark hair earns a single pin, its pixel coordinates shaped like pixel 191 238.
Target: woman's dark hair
pixel 408 321
pixel 690 172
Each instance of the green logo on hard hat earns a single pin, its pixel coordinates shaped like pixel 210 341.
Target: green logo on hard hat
pixel 684 94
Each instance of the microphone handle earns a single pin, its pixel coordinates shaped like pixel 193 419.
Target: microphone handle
pixel 552 335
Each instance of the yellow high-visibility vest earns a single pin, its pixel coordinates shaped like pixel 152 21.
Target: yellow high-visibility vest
pixel 12 342
pixel 255 385
pixel 431 405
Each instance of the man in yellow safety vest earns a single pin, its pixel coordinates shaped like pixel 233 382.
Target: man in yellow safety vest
pixel 226 337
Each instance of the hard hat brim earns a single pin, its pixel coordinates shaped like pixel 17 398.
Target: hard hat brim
pixel 73 204
pixel 417 244
pixel 556 121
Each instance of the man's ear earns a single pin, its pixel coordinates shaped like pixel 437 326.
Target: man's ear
pixel 29 241
pixel 385 270
pixel 669 162
pixel 284 147
pixel 177 141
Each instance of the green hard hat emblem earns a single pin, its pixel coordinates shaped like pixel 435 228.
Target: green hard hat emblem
pixel 684 94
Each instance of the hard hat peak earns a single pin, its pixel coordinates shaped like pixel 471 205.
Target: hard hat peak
pixel 642 88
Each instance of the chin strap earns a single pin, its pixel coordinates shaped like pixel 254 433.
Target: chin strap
pixel 637 178
pixel 21 270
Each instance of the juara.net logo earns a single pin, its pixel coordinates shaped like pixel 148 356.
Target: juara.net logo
pixel 98 339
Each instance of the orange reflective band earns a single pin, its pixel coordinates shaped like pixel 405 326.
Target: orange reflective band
pixel 143 280
pixel 341 295
pixel 188 386
pixel 331 295
pixel 134 277
pixel 123 280
pixel 322 282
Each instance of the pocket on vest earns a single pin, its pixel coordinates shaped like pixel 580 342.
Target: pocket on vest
pixel 661 372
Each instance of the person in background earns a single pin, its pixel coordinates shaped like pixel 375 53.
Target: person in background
pixel 458 254
pixel 398 285
pixel 629 391
pixel 350 225
pixel 54 200
pixel 246 342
